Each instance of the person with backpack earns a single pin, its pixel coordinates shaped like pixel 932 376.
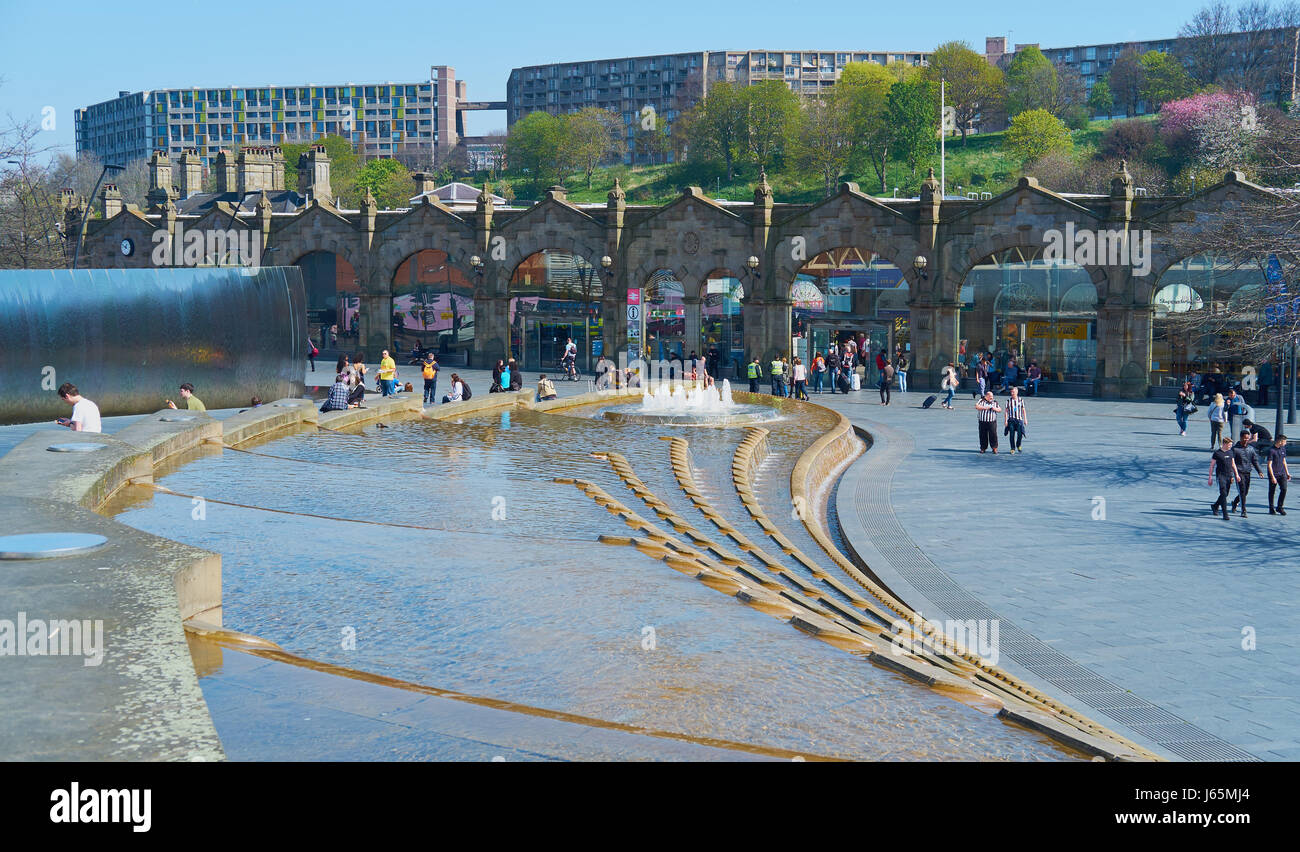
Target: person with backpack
pixel 429 369
pixel 312 352
pixel 818 372
pixel 886 379
pixel 545 388
pixel 459 391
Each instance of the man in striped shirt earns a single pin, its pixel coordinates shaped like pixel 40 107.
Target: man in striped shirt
pixel 988 409
pixel 1016 420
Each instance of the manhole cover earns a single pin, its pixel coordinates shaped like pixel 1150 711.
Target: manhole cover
pixel 48 545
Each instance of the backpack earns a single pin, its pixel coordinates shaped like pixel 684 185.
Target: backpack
pixel 428 371
pixel 465 392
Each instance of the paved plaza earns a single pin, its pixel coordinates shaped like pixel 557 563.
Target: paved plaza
pixel 1097 541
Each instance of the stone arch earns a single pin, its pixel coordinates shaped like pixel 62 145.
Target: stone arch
pixel 433 301
pixel 1032 240
pixel 552 295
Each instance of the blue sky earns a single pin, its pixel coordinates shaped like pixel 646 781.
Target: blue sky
pixel 72 53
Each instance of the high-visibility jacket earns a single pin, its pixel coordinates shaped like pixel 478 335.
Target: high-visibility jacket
pixel 755 371
pixel 777 368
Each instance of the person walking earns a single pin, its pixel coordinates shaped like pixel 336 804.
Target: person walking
pixel 900 366
pixel 886 380
pixel 818 372
pixel 312 352
pixel 982 377
pixel 85 414
pixel 1245 457
pixel 1017 418
pixel 429 370
pixel 755 373
pixel 1185 407
pixel 1223 468
pixel 1218 414
pixel 988 410
pixel 833 367
pixel 387 373
pixel 799 377
pixel 787 376
pixel 949 383
pixel 1278 475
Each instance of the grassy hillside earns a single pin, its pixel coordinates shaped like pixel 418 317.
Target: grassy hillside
pixel 978 165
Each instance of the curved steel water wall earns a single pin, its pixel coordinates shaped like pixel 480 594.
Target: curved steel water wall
pixel 127 338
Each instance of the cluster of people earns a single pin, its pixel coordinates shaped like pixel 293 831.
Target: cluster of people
pixel 1234 463
pixel 1015 420
pixel 836 369
pixel 86 417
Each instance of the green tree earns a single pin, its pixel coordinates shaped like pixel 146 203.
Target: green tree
pixel 344 165
pixel 864 89
pixel 388 180
pixel 1030 82
pixel 1164 79
pixel 823 139
pixel 718 127
pixel 1035 133
pixel 973 86
pixel 773 113
pixel 1126 78
pixel 1099 99
pixel 653 143
pixel 593 136
pixel 535 146
pixel 912 116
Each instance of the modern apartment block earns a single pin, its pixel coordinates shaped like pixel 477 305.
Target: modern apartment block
pixel 1263 62
pixel 673 83
pixel 409 120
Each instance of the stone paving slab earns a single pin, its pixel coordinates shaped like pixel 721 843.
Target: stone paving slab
pixel 1155 597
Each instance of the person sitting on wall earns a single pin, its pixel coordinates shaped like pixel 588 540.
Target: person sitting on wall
pixel 545 388
pixel 192 402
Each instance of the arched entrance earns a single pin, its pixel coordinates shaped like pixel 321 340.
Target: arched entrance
pixel 846 294
pixel 722 324
pixel 664 302
pixel 1203 281
pixel 433 305
pixel 333 299
pixel 1016 304
pixel 555 297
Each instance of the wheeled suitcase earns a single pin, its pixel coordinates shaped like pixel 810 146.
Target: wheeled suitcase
pixel 929 401
pixel 857 382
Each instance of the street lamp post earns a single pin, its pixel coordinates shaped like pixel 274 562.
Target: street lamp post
pixel 81 229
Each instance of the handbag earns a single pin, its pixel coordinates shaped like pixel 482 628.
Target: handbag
pixel 1189 407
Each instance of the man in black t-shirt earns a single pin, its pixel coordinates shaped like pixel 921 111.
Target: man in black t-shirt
pixel 1224 469
pixel 1278 475
pixel 1244 457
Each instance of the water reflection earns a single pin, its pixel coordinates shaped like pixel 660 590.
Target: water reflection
pixel 505 592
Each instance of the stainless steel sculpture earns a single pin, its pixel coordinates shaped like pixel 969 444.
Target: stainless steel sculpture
pixel 127 338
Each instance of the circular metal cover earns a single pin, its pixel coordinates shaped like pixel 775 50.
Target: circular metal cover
pixel 48 545
pixel 176 418
pixel 87 447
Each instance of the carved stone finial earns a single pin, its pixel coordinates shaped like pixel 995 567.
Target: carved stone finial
pixel 616 195
pixel 263 203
